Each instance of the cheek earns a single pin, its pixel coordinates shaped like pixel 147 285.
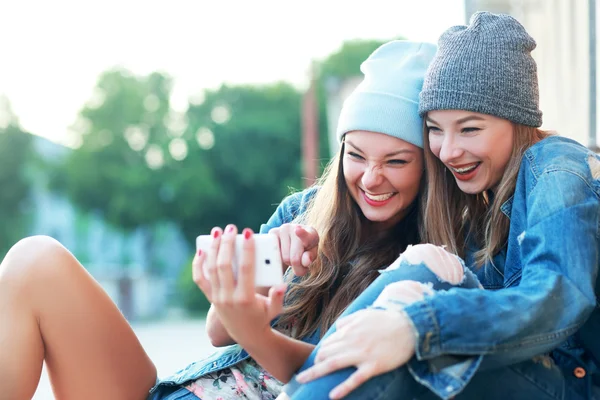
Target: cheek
pixel 435 146
pixel 499 152
pixel 352 172
pixel 408 182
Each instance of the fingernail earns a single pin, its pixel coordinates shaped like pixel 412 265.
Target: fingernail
pixel 215 233
pixel 230 228
pixel 199 252
pixel 334 394
pixel 247 233
pixel 301 378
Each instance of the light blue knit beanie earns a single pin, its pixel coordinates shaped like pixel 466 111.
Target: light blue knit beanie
pixel 485 67
pixel 387 100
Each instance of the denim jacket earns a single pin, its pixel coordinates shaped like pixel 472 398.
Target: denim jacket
pixel 541 290
pixel 226 357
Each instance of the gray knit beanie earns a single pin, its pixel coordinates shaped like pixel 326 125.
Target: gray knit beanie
pixel 485 67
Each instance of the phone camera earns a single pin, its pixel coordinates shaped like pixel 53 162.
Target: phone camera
pixel 267 261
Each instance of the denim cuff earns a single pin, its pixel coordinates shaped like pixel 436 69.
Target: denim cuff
pixel 445 375
pixel 427 329
pixel 449 380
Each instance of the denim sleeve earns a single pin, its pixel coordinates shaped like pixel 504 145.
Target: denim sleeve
pixel 291 207
pixel 559 256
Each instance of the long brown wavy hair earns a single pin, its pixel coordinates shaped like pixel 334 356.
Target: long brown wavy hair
pixel 349 257
pixel 452 217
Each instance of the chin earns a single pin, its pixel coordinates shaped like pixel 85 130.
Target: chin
pixel 470 189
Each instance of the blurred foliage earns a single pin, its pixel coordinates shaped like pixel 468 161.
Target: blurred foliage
pixel 241 152
pixel 255 158
pixel 105 174
pixel 345 63
pixel 15 156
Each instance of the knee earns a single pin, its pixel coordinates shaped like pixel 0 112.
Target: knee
pixel 402 293
pixel 32 256
pixel 444 265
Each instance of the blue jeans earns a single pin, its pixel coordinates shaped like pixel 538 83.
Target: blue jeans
pixel 532 379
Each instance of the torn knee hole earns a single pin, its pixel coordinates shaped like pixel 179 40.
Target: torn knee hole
pixel 444 265
pixel 402 294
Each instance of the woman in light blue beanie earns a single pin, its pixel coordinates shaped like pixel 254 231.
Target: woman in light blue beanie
pixel 362 215
pixel 522 209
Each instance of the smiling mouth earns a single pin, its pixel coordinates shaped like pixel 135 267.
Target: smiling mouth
pixel 378 197
pixel 466 169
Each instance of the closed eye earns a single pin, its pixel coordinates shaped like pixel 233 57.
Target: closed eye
pixel 431 129
pixel 470 130
pixel 355 155
pixel 397 162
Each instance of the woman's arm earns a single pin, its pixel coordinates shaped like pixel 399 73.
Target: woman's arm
pixel 557 249
pixel 281 355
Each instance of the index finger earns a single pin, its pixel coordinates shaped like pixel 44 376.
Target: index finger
pixel 308 235
pixel 245 286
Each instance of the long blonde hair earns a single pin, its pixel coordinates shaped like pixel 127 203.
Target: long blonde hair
pixel 452 217
pixel 348 259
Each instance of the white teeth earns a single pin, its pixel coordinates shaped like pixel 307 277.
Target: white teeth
pixel 465 169
pixel 380 197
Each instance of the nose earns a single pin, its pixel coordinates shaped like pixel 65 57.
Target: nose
pixel 450 150
pixel 372 177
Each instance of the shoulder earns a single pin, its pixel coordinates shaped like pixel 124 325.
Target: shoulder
pixel 561 171
pixel 298 202
pixel 290 207
pixel 558 153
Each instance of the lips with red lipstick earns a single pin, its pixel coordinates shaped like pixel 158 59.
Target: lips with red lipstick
pixel 377 200
pixel 465 172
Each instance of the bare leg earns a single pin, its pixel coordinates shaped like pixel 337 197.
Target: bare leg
pixel 51 309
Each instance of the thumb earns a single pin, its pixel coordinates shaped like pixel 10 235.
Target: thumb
pixel 275 301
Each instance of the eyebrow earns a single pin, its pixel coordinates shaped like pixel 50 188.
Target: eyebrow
pixel 393 153
pixel 462 120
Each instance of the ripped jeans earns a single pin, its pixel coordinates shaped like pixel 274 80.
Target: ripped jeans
pixel 407 280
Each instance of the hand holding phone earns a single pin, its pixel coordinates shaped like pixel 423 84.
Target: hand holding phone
pixel 299 245
pixel 268 266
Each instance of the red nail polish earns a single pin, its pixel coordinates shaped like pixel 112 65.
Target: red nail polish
pixel 199 252
pixel 247 233
pixel 230 228
pixel 216 233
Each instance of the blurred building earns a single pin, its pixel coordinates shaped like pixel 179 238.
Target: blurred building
pixel 138 279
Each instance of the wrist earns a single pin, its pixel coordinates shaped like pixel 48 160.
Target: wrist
pixel 259 340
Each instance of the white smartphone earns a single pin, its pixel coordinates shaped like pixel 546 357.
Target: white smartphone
pixel 269 270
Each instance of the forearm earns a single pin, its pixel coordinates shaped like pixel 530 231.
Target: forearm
pixel 280 355
pixel 215 330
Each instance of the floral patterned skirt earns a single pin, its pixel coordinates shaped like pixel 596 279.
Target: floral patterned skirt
pixel 245 380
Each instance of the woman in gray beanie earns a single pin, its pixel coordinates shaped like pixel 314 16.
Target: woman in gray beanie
pixel 521 207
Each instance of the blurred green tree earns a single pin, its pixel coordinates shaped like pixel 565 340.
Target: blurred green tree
pixel 15 158
pixel 250 137
pixel 229 158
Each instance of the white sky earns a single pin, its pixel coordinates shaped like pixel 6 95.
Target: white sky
pixel 52 52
